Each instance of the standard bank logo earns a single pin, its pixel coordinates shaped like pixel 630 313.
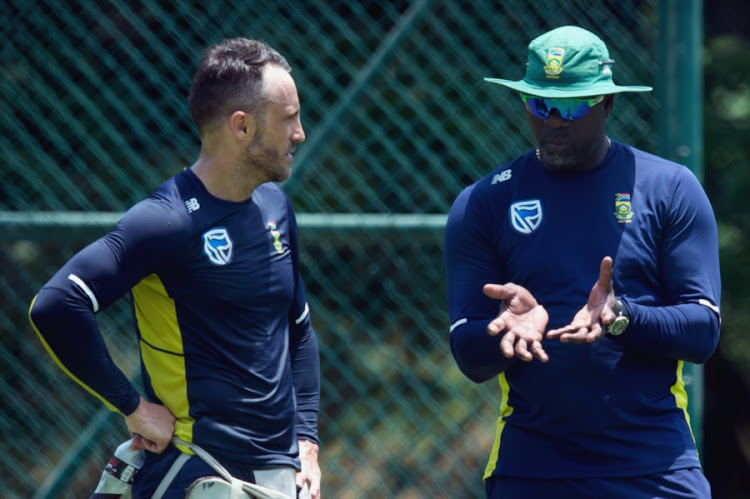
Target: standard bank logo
pixel 217 246
pixel 526 216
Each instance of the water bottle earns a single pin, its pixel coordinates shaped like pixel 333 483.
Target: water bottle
pixel 119 473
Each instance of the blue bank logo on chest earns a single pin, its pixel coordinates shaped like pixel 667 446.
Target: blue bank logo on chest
pixel 217 246
pixel 526 216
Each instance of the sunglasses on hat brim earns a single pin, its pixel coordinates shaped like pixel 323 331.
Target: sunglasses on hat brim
pixel 569 109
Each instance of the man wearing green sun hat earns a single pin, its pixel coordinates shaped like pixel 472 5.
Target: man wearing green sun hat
pixel 603 260
pixel 568 62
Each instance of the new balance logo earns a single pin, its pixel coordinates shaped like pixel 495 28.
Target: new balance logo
pixel 192 205
pixel 501 177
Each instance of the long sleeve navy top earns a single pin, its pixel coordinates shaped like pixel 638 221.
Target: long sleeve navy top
pixel 223 325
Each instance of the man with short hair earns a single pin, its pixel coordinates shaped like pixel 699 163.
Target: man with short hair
pixel 228 354
pixel 593 401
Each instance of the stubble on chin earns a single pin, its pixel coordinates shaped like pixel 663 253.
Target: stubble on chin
pixel 558 162
pixel 264 165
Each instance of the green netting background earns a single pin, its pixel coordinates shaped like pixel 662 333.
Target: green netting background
pixel 398 121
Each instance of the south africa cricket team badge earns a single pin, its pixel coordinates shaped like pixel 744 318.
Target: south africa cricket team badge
pixel 623 210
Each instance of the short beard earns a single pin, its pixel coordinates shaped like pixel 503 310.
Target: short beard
pixel 575 160
pixel 262 162
pixel 558 162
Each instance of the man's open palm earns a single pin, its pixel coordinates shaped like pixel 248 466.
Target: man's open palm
pixel 522 320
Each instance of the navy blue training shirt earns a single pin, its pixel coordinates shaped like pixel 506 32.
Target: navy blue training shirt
pixel 618 406
pixel 225 335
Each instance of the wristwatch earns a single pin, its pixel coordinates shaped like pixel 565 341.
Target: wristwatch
pixel 620 324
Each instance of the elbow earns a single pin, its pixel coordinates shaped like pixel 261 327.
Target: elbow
pixel 698 357
pixel 47 313
pixel 476 375
pixel 471 371
pixel 710 343
pixel 470 366
pixel 39 311
pixel 705 348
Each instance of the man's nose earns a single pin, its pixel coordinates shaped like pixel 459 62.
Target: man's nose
pixel 298 135
pixel 555 118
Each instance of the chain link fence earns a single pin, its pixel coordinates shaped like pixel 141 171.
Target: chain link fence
pixel 398 121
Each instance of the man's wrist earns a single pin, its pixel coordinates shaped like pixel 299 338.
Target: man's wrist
pixel 622 319
pixel 624 310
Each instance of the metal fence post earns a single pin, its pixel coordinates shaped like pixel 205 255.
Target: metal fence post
pixel 680 127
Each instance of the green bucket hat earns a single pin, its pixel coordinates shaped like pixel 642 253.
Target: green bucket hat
pixel 568 62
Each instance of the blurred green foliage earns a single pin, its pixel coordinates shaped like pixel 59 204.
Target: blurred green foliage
pixel 727 182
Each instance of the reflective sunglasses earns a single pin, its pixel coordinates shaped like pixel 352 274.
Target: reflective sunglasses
pixel 569 109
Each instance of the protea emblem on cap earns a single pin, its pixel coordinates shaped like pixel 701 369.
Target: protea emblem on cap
pixel 554 62
pixel 585 59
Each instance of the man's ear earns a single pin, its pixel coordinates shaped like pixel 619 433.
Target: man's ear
pixel 609 102
pixel 243 125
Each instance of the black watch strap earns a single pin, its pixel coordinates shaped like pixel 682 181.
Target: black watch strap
pixel 622 309
pixel 622 319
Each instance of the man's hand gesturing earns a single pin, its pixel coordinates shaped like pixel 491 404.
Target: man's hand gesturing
pixel 589 323
pixel 521 318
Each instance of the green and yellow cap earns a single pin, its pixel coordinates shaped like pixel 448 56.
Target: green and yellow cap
pixel 568 62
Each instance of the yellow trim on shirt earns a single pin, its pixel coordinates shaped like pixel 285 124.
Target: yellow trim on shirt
pixel 162 350
pixel 64 369
pixel 680 395
pixel 505 411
